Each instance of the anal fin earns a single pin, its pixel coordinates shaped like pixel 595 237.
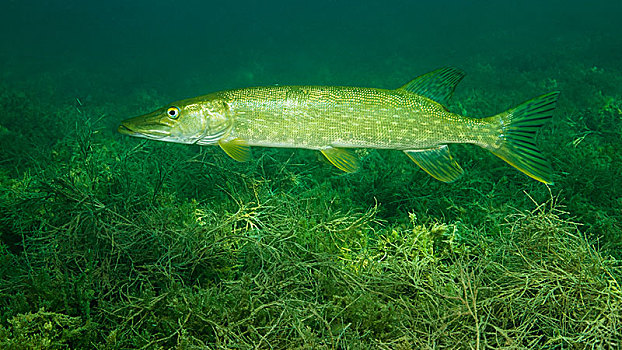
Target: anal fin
pixel 237 149
pixel 342 159
pixel 437 162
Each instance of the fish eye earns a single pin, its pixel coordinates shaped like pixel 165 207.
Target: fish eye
pixel 173 112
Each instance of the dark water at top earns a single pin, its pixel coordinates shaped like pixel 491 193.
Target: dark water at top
pixel 191 47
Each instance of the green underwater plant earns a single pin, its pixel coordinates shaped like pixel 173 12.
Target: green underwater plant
pixel 42 330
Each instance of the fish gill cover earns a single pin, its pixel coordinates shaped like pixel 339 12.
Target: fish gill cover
pixel 112 242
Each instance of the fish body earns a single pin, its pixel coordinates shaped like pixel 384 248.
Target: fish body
pixel 316 117
pixel 335 119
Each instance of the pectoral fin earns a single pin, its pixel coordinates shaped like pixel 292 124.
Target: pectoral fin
pixel 237 149
pixel 437 162
pixel 342 159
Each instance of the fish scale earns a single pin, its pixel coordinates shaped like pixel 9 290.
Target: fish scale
pixel 350 117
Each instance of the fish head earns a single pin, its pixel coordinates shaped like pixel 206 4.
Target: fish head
pixel 189 121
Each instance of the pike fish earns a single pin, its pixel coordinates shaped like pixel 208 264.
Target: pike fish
pixel 337 119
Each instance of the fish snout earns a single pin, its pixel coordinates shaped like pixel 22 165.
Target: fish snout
pixel 152 125
pixel 125 130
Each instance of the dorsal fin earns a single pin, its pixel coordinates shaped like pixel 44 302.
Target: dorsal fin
pixel 437 85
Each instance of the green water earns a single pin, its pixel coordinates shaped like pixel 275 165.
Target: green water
pixel 112 242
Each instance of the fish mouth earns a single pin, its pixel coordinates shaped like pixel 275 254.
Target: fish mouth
pixel 148 130
pixel 125 130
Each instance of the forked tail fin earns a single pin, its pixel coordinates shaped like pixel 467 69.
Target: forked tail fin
pixel 516 141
